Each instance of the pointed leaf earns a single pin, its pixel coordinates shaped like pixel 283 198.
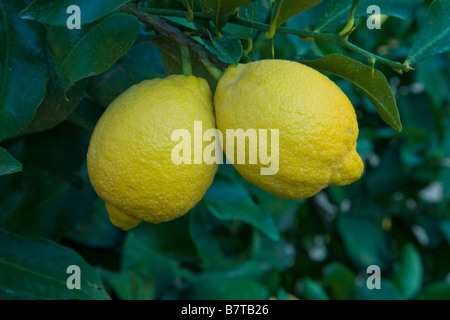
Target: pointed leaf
pixel 93 49
pixel 282 10
pixel 434 37
pixel 409 272
pixel 229 48
pixel 238 204
pixel 220 10
pixel 36 268
pixel 8 164
pixel 23 68
pixel 375 88
pixel 55 12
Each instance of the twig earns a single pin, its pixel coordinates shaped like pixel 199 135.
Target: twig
pixel 335 38
pixel 174 34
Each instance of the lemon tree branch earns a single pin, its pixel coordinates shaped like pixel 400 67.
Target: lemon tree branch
pixel 335 38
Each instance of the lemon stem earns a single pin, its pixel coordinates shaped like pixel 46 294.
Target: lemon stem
pixel 186 61
pixel 351 19
pixel 215 72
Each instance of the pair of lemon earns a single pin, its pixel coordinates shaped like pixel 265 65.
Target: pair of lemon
pixel 130 161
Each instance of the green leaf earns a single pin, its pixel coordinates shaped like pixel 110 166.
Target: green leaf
pixel 375 87
pixel 283 10
pixel 55 12
pixel 23 68
pixel 128 285
pixel 434 37
pixel 228 47
pixel 313 291
pixel 336 12
pixel 219 287
pixel 365 242
pixel 93 49
pixel 239 205
pixel 36 268
pixel 436 291
pixel 340 279
pixel 219 11
pixel 55 108
pixel 445 228
pixel 388 291
pixel 408 272
pixel 141 62
pixel 96 230
pixel 8 164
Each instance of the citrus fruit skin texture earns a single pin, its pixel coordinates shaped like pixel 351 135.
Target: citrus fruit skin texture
pixel 129 157
pixel 316 122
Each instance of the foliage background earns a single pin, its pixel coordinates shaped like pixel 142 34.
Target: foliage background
pixel 239 242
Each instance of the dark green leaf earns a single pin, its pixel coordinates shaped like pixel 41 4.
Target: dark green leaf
pixel 8 164
pixel 434 37
pixel 313 291
pixel 388 291
pixel 55 12
pixel 23 68
pixel 436 291
pixel 375 87
pixel 220 10
pixel 365 242
pixel 141 62
pixel 93 49
pixel 56 107
pixel 336 12
pixel 228 48
pixel 96 230
pixel 340 279
pixel 283 10
pixel 26 275
pixel 409 272
pixel 87 115
pixel 445 228
pixel 128 285
pixel 239 205
pixel 217 287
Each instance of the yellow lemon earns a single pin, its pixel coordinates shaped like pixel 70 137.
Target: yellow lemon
pixel 130 162
pixel 314 120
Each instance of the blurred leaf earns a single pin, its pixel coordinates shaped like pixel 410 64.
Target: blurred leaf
pixel 239 205
pixel 436 291
pixel 434 37
pixel 128 285
pixel 376 88
pixel 54 177
pixel 336 12
pixel 55 12
pixel 93 49
pixel 23 68
pixel 279 255
pixel 96 230
pixel 219 11
pixel 388 291
pixel 228 47
pixel 139 258
pixel 141 62
pixel 313 291
pixel 218 287
pixel 86 115
pixel 171 239
pixel 283 10
pixel 409 272
pixel 55 107
pixel 340 279
pixel 8 164
pixel 445 228
pixel 365 242
pixel 24 276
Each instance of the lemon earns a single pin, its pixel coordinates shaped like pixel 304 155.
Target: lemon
pixel 316 123
pixel 130 161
